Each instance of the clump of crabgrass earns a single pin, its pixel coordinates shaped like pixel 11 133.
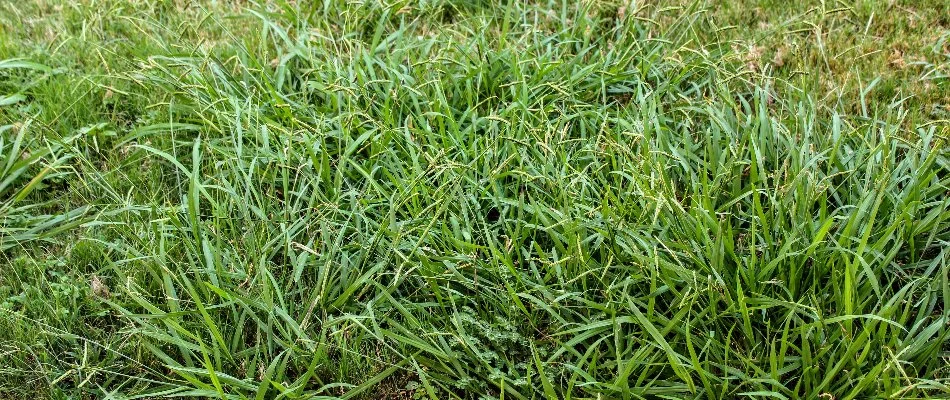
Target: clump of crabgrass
pixel 456 200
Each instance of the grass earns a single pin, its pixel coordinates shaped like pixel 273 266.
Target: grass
pixel 466 199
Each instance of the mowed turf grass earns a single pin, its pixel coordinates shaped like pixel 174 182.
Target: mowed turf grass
pixel 476 200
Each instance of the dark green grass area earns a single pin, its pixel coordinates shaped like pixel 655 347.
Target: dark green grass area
pixel 474 200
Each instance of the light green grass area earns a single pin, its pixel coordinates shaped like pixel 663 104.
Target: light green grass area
pixel 475 200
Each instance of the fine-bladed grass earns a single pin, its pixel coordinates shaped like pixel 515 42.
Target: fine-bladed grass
pixel 472 199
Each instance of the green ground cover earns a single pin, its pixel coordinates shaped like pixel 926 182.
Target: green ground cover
pixel 473 199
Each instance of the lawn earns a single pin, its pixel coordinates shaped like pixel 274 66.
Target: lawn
pixel 466 199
